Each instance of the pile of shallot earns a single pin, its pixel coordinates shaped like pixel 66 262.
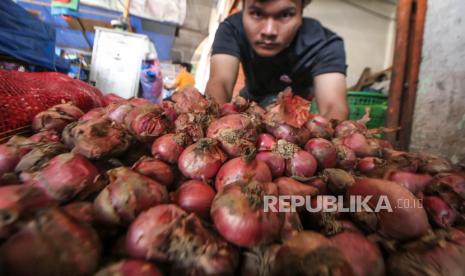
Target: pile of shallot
pixel 184 188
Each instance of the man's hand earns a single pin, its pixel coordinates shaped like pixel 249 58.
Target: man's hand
pixel 168 87
pixel 331 96
pixel 223 75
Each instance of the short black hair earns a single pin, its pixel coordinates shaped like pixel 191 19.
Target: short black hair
pixel 304 2
pixel 186 65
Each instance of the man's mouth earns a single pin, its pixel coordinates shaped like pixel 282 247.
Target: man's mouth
pixel 267 45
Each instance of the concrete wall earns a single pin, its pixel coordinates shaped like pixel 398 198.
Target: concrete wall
pixel 439 120
pixel 193 31
pixel 368 29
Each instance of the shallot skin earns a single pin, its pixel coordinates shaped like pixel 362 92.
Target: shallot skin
pixel 413 217
pixel 239 217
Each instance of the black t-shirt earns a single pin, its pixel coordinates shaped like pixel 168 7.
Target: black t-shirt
pixel 315 50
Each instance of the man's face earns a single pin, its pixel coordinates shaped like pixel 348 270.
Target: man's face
pixel 270 26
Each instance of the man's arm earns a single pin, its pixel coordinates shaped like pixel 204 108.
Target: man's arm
pixel 175 83
pixel 223 75
pixel 331 96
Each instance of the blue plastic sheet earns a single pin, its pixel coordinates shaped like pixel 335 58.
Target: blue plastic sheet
pixel 25 37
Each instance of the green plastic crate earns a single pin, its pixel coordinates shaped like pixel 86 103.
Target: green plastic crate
pixel 359 100
pixel 377 114
pixel 366 98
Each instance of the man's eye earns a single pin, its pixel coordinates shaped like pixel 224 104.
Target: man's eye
pixel 286 15
pixel 256 14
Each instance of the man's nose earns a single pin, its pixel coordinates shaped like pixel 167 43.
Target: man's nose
pixel 270 28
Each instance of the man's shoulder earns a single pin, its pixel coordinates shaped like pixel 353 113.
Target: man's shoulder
pixel 230 37
pixel 311 22
pixel 234 21
pixel 189 76
pixel 313 35
pixel 314 45
pixel 184 75
pixel 311 26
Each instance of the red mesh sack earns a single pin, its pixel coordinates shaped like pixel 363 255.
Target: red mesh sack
pixel 23 95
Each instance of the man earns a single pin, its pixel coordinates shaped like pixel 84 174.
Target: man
pixel 184 79
pixel 279 48
pixel 151 79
